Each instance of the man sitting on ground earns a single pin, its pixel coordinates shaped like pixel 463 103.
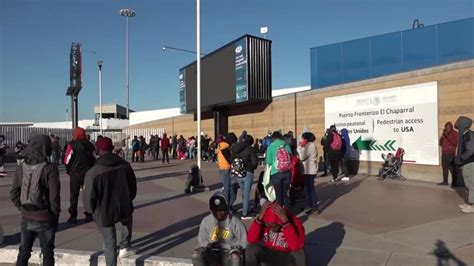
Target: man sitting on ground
pixel 222 236
pixel 282 234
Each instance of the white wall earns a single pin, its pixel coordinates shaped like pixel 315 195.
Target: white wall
pixel 146 116
pixel 87 123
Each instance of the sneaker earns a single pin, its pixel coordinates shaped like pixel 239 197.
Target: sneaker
pixel 442 184
pixel 346 178
pixel 72 220
pixel 462 206
pixel 468 209
pixel 126 252
pixel 246 217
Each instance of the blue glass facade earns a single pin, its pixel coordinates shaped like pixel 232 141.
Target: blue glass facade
pixel 392 53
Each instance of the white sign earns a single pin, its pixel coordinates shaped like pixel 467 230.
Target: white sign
pixel 382 121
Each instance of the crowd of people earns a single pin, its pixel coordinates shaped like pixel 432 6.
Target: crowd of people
pixel 276 234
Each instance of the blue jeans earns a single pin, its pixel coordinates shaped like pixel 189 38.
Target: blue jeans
pixel 309 191
pixel 191 152
pixel 229 191
pixel 46 233
pixel 109 237
pixel 281 184
pixel 246 185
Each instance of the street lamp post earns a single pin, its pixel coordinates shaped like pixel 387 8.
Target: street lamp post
pixel 198 74
pixel 99 63
pixel 128 13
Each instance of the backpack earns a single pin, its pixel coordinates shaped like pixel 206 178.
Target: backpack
pixel 32 190
pixel 237 168
pixel 283 159
pixel 336 143
pixel 135 145
pixel 194 179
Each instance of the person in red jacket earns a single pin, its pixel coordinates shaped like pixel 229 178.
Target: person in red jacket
pixel 165 145
pixel 282 234
pixel 448 143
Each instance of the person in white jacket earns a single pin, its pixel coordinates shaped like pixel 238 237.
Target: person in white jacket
pixel 308 154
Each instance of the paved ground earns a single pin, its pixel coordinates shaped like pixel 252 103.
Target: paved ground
pixel 363 222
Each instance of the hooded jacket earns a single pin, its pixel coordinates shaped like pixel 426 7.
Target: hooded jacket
pixel 289 239
pixel 346 142
pixel 110 186
pixel 36 153
pixel 449 141
pixel 80 157
pixel 465 153
pixel 248 155
pixel 228 234
pixel 224 157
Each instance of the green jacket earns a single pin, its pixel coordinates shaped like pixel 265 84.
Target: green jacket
pixel 272 153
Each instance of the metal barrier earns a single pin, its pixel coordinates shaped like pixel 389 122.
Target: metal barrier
pixel 13 134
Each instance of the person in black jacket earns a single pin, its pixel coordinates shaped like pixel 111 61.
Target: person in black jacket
pixel 79 159
pixel 335 155
pixel 109 190
pixel 245 151
pixel 39 211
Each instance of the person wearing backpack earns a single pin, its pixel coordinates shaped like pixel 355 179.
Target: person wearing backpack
pixel 243 166
pixel 278 157
pixel 335 151
pixel 465 159
pixel 79 159
pixel 224 159
pixel 135 148
pixel 36 193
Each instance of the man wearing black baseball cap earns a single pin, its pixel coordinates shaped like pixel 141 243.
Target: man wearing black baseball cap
pixel 222 236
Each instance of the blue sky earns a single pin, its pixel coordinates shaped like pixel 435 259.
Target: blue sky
pixel 36 36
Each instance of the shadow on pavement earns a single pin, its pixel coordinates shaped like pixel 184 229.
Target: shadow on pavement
pixel 160 176
pixel 323 242
pixel 328 193
pixel 167 238
pixel 445 256
pixel 156 167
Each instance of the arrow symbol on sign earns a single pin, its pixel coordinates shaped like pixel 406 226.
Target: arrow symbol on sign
pixel 362 144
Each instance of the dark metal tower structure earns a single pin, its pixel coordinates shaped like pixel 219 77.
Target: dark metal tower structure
pixel 75 77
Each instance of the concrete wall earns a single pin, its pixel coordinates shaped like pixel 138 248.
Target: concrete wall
pixel 306 109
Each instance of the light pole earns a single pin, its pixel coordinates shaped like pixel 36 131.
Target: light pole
pixel 99 63
pixel 128 13
pixel 198 74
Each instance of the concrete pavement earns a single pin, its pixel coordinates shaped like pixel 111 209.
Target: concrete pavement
pixel 363 221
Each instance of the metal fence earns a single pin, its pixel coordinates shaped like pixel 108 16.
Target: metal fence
pixel 13 134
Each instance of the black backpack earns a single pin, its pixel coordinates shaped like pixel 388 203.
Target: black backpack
pixel 33 192
pixel 194 179
pixel 237 168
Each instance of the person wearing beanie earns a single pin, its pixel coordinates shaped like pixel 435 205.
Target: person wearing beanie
pixel 222 236
pixel 79 158
pixel 109 190
pixel 282 234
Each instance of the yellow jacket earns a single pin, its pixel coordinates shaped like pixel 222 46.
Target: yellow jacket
pixel 222 162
